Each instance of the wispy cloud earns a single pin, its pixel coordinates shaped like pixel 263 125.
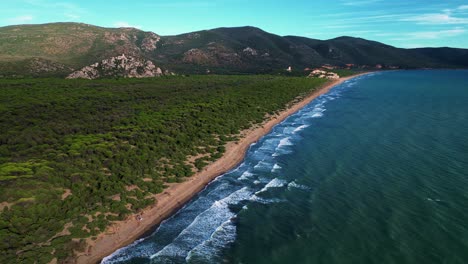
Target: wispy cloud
pixel 125 24
pixel 359 2
pixel 184 4
pixel 69 10
pixel 437 34
pixel 445 18
pixel 71 16
pixel 21 19
pixel 426 35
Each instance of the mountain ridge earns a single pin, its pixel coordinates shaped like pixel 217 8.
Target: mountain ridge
pixel 65 47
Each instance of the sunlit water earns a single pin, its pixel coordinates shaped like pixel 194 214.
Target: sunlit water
pixel 375 171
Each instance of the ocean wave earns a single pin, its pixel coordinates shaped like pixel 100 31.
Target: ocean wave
pixel 300 128
pixel 202 226
pixel 276 168
pixel 293 184
pixel 275 183
pixel 246 175
pixel 316 115
pixel 280 151
pixel 209 250
pixel 264 166
pixel 285 142
pixel 122 254
pixel 261 200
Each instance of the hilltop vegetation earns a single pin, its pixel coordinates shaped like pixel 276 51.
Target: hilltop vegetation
pixel 72 45
pixel 76 155
pixel 64 47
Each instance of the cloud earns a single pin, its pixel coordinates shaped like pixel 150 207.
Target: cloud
pixel 425 35
pixel 125 25
pixel 69 10
pixel 71 16
pixel 185 4
pixel 437 34
pixel 445 18
pixel 359 2
pixel 20 19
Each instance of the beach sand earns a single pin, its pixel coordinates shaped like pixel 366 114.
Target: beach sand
pixel 125 232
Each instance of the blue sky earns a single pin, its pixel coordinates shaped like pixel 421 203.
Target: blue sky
pixel 402 23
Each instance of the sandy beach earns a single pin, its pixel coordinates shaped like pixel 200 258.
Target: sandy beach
pixel 125 232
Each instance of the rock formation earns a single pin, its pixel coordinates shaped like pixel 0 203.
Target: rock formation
pixel 120 66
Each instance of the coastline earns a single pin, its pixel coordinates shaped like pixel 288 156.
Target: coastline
pixel 123 233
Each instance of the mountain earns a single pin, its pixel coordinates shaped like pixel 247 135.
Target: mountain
pixel 61 48
pixel 68 46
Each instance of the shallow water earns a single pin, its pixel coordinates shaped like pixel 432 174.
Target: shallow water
pixel 375 171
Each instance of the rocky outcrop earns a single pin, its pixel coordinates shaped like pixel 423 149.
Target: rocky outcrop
pixel 126 41
pixel 120 66
pixel 250 51
pixel 149 43
pixel 198 56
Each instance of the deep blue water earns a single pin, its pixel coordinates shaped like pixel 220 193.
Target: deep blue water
pixel 375 171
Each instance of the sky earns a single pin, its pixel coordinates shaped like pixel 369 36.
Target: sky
pixel 401 23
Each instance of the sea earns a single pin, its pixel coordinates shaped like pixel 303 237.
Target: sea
pixel 374 171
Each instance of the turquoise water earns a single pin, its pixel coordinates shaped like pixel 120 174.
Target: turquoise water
pixel 376 171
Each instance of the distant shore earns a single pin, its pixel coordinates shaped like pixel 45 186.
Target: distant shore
pixel 123 233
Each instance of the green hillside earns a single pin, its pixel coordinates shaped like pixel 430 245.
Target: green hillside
pixel 72 45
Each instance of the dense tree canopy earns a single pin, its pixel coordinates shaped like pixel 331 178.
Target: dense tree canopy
pixel 76 154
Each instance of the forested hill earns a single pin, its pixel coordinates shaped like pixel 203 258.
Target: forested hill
pixel 59 48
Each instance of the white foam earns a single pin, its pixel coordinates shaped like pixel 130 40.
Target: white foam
pixel 316 115
pixel 120 255
pixel 263 166
pixel 281 148
pixel 300 128
pixel 316 112
pixel 209 250
pixel 245 176
pixel 280 151
pixel 257 199
pixel 285 142
pixel 275 183
pixel 293 184
pixel 434 200
pixel 276 167
pixel 289 130
pixel 203 226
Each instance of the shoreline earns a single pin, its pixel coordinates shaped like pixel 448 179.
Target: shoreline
pixel 123 233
